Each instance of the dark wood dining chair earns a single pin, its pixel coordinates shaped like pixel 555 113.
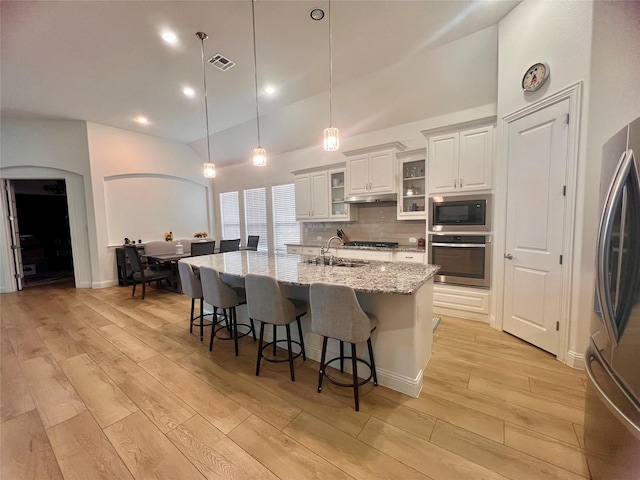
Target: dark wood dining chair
pixel 202 248
pixel 252 242
pixel 144 275
pixel 229 245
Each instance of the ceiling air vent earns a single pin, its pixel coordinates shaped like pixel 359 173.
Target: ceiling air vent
pixel 221 62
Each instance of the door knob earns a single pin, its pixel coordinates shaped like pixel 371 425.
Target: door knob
pixel 508 255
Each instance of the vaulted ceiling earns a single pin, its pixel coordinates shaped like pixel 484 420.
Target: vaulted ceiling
pixel 105 62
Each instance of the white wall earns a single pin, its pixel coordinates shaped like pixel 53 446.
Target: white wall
pixel 596 43
pixel 167 173
pixel 34 149
pixel 278 169
pixel 87 155
pixel 558 33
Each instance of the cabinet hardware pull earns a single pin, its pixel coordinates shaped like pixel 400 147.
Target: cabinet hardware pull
pixel 460 183
pixel 455 183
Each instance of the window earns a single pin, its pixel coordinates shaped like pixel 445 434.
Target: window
pixel 285 228
pixel 255 212
pixel 230 215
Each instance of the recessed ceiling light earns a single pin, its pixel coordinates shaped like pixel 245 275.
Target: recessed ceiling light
pixel 170 37
pixel 188 91
pixel 142 120
pixel 316 14
pixel 269 90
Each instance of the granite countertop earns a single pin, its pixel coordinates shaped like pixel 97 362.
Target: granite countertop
pixel 399 248
pixel 372 277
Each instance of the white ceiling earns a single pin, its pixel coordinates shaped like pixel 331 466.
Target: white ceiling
pixel 104 62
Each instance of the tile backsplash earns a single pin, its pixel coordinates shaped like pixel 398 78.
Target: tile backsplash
pixel 375 223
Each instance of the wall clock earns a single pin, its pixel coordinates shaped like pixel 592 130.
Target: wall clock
pixel 535 76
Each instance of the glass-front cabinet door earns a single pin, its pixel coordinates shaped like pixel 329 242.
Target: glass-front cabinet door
pixel 339 209
pixel 412 188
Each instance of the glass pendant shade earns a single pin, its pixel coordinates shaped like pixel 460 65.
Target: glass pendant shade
pixel 259 157
pixel 331 139
pixel 209 170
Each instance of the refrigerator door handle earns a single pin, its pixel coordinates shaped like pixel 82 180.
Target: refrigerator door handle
pixel 614 195
pixel 593 354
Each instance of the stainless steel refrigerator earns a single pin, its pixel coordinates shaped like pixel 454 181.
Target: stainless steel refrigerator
pixel 612 414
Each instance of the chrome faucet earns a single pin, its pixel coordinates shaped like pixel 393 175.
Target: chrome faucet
pixel 324 250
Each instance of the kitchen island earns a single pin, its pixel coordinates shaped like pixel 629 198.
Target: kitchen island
pixel 399 294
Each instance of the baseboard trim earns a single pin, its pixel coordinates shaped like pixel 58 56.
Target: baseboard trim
pixel 575 360
pixel 103 284
pixel 406 385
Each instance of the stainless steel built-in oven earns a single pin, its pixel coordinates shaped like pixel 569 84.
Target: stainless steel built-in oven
pixel 463 259
pixel 462 213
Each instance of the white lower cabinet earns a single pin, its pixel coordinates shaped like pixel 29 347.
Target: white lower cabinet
pixel 303 249
pixel 374 255
pixel 408 257
pixel 470 303
pixel 311 250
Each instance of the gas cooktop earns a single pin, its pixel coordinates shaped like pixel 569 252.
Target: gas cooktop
pixel 372 244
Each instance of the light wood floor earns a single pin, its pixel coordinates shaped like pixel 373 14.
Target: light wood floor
pixel 96 384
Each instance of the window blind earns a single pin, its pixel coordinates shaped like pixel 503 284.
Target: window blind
pixel 285 227
pixel 230 215
pixel 255 212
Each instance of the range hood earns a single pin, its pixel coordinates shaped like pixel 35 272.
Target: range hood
pixel 372 198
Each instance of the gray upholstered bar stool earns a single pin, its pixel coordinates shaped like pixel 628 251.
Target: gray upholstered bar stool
pixel 267 303
pixel 220 295
pixel 192 287
pixel 336 313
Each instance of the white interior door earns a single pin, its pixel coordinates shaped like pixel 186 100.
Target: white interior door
pixel 537 164
pixel 16 250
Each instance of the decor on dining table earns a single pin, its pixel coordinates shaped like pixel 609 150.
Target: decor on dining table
pixel 201 235
pixel 168 236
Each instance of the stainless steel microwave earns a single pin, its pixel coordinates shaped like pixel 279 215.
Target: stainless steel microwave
pixel 461 213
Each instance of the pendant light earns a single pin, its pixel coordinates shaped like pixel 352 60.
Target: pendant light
pixel 209 168
pixel 259 153
pixel 331 135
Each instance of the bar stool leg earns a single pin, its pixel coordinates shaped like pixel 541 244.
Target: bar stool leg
pixel 304 353
pixel 341 356
pixel 293 376
pixel 234 324
pixel 373 363
pixel 253 329
pixel 259 359
pixel 214 322
pixel 274 341
pixel 201 319
pixel 354 366
pixel 322 365
pixel 193 301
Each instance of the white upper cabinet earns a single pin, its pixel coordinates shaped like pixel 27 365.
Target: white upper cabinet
pixel 460 161
pixel 320 193
pixel 411 185
pixel 476 157
pixel 372 170
pixel 312 196
pixel 442 171
pixel 339 210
